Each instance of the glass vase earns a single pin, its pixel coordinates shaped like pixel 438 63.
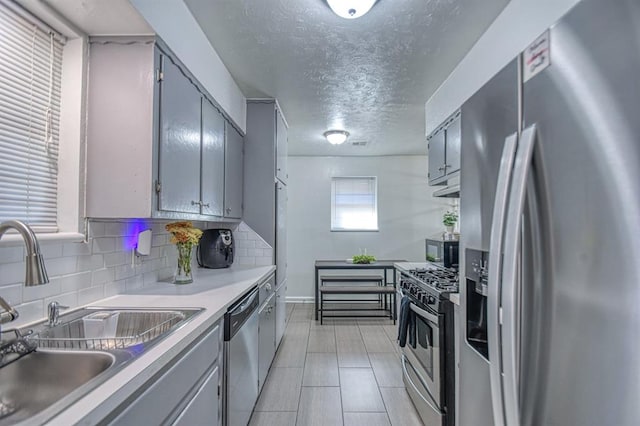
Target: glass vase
pixel 183 271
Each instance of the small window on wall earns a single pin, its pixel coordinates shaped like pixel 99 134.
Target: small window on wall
pixel 354 204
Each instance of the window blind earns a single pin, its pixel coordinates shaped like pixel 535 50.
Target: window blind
pixel 354 204
pixel 31 69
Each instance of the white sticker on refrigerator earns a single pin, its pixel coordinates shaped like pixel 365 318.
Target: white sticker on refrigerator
pixel 537 56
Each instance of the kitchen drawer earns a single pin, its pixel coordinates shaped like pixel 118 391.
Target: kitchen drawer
pixel 164 394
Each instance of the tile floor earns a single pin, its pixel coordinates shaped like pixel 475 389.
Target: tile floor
pixel 345 372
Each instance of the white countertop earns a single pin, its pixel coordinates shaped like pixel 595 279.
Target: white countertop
pixel 213 289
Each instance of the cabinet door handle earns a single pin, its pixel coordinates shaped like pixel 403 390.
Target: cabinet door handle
pixel 228 210
pixel 205 205
pixel 196 203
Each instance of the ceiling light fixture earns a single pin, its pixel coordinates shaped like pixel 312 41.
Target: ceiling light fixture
pixel 350 9
pixel 336 137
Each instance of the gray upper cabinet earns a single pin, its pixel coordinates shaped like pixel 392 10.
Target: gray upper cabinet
pixel 213 142
pixel 453 146
pixel 436 157
pixel 282 141
pixel 234 171
pixel 179 149
pixel 155 137
pixel 444 151
pixel 261 158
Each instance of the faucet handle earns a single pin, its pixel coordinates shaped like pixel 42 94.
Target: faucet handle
pixel 53 310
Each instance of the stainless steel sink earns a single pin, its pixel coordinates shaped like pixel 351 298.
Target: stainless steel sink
pixel 105 329
pixel 86 348
pixel 40 379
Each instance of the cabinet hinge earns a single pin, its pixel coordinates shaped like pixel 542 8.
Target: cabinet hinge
pixel 158 187
pixel 159 75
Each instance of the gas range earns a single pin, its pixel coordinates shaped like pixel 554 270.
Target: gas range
pixel 445 280
pixel 427 320
pixel 428 284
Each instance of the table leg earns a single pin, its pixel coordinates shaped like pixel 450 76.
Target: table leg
pixel 384 272
pixel 315 294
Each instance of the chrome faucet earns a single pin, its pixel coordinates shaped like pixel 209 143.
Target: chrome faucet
pixel 53 313
pixel 35 273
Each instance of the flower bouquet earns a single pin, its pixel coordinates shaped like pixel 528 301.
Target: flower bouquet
pixel 184 236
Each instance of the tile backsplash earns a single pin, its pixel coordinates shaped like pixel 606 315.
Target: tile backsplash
pixel 81 273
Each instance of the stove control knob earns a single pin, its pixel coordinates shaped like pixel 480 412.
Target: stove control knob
pixel 431 300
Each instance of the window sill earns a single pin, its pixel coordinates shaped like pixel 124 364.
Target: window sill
pixel 57 237
pixel 355 230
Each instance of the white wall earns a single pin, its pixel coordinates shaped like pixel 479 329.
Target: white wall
pixel 406 213
pixel 173 22
pixel 519 24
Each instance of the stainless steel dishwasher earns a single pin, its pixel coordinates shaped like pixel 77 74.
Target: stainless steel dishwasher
pixel 241 360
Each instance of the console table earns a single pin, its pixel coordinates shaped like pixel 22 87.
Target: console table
pixel 380 265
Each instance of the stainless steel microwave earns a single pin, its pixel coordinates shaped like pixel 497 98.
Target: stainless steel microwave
pixel 443 252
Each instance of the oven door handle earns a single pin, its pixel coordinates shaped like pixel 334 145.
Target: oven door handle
pixel 413 385
pixel 424 314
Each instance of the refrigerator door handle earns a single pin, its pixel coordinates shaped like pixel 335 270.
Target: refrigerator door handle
pixel 510 291
pixel 494 278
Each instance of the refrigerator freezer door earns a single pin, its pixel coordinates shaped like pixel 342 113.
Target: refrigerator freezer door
pixel 586 166
pixel 488 118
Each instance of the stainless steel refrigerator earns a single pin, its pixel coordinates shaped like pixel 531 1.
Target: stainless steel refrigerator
pixel 550 225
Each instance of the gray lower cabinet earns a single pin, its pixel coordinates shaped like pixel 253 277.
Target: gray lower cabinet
pixel 281 232
pixel 202 409
pixel 281 311
pixel 234 171
pixel 267 339
pixel 185 393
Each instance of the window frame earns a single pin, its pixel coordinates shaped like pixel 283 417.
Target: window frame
pixel 72 225
pixel 333 228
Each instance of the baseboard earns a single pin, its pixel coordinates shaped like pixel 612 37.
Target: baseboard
pixel 299 299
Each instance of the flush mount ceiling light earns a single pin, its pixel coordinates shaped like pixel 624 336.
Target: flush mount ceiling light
pixel 350 9
pixel 336 137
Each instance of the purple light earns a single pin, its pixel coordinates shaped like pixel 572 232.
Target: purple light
pixel 132 228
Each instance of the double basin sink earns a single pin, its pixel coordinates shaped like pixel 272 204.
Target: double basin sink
pixel 83 350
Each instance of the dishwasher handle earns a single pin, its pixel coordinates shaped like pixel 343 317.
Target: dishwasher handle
pixel 238 315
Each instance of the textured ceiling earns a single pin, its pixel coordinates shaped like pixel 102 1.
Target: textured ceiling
pixel 370 76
